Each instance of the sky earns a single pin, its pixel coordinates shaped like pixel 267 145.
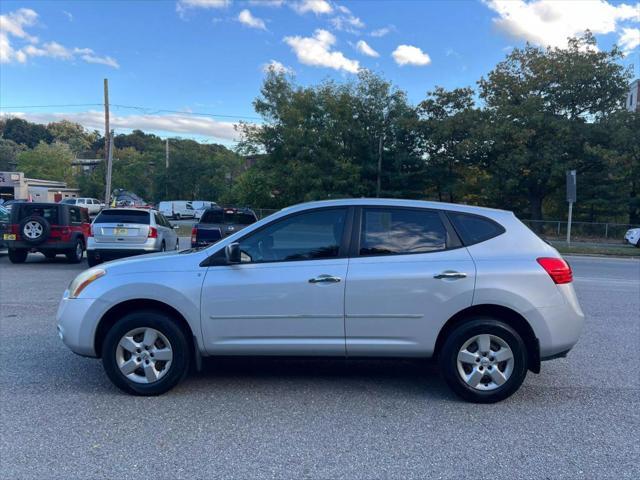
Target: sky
pixel 169 61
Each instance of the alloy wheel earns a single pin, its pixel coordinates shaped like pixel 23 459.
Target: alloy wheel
pixel 144 355
pixel 485 362
pixel 32 229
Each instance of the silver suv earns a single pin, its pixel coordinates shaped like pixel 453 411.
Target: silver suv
pixel 124 232
pixel 472 287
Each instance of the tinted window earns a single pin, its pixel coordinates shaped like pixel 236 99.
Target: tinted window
pixel 123 216
pixel 222 217
pixel 473 228
pixel 395 231
pixel 49 213
pixel 74 215
pixel 4 215
pixel 308 236
pixel 70 201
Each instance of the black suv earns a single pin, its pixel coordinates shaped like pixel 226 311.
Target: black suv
pixel 48 228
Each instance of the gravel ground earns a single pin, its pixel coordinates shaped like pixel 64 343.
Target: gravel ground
pixel 60 417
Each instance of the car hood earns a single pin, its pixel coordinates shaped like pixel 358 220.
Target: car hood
pixel 155 262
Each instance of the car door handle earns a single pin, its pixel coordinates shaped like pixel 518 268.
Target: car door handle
pixel 325 279
pixel 449 274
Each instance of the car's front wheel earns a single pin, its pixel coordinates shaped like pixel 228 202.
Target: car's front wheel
pixel 18 255
pixel 483 360
pixel 146 353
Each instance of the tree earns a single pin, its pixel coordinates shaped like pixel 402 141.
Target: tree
pixel 24 133
pixel 73 134
pixel 9 151
pixel 48 162
pixel 539 102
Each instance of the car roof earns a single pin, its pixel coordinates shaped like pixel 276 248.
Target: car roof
pixel 397 202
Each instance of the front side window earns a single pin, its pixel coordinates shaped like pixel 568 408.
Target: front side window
pixel 309 236
pixel 389 231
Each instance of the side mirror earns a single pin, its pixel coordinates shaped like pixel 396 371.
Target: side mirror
pixel 232 252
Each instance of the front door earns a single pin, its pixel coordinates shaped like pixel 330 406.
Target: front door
pixel 408 276
pixel 287 295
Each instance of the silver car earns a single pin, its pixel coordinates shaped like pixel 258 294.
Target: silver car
pixel 472 287
pixel 124 232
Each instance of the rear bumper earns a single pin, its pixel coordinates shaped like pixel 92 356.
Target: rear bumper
pixel 113 254
pixel 45 246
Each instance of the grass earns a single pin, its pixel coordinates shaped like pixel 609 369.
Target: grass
pixel 613 250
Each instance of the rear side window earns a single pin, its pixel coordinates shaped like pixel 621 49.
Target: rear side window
pixel 49 213
pixel 123 216
pixel 74 215
pixel 401 231
pixel 474 228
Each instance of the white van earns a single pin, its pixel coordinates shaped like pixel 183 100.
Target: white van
pixel 200 206
pixel 177 209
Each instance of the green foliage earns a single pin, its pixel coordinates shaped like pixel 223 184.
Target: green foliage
pixel 48 162
pixel 24 133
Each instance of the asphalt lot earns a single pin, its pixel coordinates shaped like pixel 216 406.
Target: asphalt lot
pixel 60 417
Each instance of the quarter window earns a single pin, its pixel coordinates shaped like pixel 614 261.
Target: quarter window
pixel 74 215
pixel 388 231
pixel 474 228
pixel 308 236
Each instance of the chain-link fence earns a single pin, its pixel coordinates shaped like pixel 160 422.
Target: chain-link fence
pixel 580 231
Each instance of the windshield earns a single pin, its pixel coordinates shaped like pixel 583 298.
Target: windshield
pixel 226 218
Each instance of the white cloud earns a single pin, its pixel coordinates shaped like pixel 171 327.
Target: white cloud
pixel 12 27
pixel 364 48
pixel 410 55
pixel 69 15
pixel 318 7
pixel 174 123
pixel 316 51
pixel 347 21
pixel 381 32
pixel 266 3
pixel 629 39
pixel 550 22
pixel 203 3
pixel 277 67
pixel 246 18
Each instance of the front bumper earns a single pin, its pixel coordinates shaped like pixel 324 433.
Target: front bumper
pixel 77 321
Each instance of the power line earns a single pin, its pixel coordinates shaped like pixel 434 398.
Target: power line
pixel 145 110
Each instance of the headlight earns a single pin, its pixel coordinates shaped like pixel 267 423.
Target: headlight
pixel 83 280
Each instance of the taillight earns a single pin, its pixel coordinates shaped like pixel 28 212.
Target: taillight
pixel 153 232
pixel 194 235
pixel 559 270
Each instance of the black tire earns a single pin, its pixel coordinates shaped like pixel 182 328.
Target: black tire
pixel 18 255
pixel 448 360
pixel 50 255
pixel 164 324
pixel 638 243
pixel 178 244
pixel 92 260
pixel 178 216
pixel 44 225
pixel 163 247
pixel 75 254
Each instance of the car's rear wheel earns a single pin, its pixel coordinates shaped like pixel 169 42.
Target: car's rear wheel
pixel 18 255
pixel 146 353
pixel 163 247
pixel 483 360
pixel 75 254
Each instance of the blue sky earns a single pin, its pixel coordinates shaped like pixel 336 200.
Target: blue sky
pixel 208 55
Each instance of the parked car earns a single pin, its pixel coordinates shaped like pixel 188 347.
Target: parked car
pixel 633 237
pixel 124 232
pixel 200 206
pixel 472 287
pixel 177 209
pixel 4 222
pixel 124 198
pixel 48 228
pixel 10 203
pixel 93 205
pixel 218 222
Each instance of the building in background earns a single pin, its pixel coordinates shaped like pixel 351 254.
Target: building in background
pixel 14 185
pixel 632 96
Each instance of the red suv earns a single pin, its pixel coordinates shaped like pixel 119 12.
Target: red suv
pixel 48 228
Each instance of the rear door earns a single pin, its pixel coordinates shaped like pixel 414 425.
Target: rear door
pixel 121 226
pixel 407 276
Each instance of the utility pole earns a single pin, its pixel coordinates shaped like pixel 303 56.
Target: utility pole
pixel 379 166
pixel 107 144
pixel 571 198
